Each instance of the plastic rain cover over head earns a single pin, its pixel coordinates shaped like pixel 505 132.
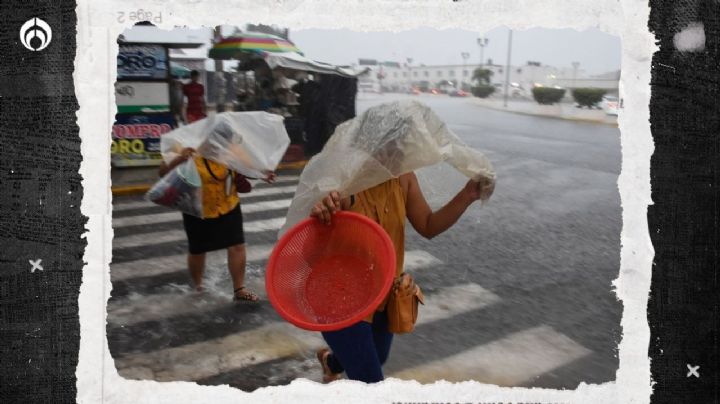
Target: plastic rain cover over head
pixel 247 142
pixel 384 142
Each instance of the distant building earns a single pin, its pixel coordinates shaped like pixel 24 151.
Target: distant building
pixel 394 76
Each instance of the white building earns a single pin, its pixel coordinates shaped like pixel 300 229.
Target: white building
pixel 393 76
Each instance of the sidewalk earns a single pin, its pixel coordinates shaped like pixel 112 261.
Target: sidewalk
pixel 565 111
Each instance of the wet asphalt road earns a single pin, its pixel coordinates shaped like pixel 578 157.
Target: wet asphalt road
pixel 548 242
pixel 519 290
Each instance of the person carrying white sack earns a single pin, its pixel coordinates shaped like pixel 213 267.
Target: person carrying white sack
pixel 221 224
pixel 389 142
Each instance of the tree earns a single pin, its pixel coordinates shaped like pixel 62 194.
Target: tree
pixel 588 97
pixel 482 76
pixel 548 95
pixel 269 29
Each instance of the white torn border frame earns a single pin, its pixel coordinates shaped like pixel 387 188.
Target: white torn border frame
pixel 95 74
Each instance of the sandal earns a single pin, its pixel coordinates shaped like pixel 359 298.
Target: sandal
pixel 245 296
pixel 328 375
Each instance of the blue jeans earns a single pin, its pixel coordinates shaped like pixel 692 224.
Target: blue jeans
pixel 361 349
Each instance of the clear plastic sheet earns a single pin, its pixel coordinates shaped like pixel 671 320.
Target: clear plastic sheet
pixel 384 142
pixel 181 189
pixel 250 143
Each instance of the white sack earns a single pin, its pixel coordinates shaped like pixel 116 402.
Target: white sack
pixel 384 142
pixel 247 142
pixel 179 189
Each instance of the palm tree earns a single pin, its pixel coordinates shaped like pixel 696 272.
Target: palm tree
pixel 482 75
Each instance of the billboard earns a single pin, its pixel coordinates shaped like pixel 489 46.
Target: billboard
pixel 136 138
pixel 142 62
pixel 134 97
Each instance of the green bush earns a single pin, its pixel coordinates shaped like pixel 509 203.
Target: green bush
pixel 588 97
pixel 483 91
pixel 547 95
pixel 482 76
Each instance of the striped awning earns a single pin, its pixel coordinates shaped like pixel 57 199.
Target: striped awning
pixel 237 47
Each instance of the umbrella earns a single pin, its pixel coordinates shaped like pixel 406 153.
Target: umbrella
pixel 236 47
pixel 179 70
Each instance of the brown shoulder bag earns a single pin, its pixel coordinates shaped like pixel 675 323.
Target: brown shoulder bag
pixel 402 305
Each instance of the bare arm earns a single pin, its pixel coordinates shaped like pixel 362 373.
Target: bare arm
pixel 185 154
pixel 428 223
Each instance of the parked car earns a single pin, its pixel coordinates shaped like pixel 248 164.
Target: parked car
pixel 458 93
pixel 610 105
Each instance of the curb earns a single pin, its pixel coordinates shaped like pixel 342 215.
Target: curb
pixel 562 118
pixel 296 165
pixel 125 190
pixel 139 189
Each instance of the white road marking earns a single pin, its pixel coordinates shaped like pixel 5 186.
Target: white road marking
pixel 177 216
pixel 271 341
pixel 266 190
pixel 135 308
pixel 510 361
pixel 168 236
pixel 454 300
pixel 172 263
pixel 266 205
pixel 209 358
pixel 419 258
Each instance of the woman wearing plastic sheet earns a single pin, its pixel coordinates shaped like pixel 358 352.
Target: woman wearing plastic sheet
pixel 361 349
pixel 221 226
pixel 397 139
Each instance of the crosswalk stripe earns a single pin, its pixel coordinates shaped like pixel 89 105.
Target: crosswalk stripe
pixel 454 300
pixel 509 361
pixel 269 190
pixel 414 259
pixel 418 258
pixel 266 205
pixel 146 219
pixel 172 263
pixel 216 262
pixel 179 235
pixel 272 341
pixel 176 216
pixel 205 359
pixel 117 207
pixel 272 191
pixel 182 300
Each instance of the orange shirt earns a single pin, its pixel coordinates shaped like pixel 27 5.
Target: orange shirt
pixel 385 204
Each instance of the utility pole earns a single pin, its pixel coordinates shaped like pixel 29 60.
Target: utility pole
pixel 409 64
pixel 575 66
pixel 465 57
pixel 507 67
pixel 482 43
pixel 219 76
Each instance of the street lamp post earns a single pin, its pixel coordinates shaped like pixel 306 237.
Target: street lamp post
pixel 465 57
pixel 507 68
pixel 575 66
pixel 219 76
pixel 409 64
pixel 482 43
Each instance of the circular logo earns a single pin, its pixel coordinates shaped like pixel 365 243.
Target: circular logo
pixel 35 34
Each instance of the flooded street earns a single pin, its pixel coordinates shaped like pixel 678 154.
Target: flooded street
pixel 518 293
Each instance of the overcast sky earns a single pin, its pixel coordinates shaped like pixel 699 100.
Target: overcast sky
pixel 596 51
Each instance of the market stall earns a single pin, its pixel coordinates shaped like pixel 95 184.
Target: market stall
pixel 314 97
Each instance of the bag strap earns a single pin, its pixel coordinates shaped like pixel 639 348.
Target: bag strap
pixel 212 174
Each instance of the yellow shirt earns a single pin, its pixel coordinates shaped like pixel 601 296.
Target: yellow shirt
pixel 216 201
pixel 385 204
